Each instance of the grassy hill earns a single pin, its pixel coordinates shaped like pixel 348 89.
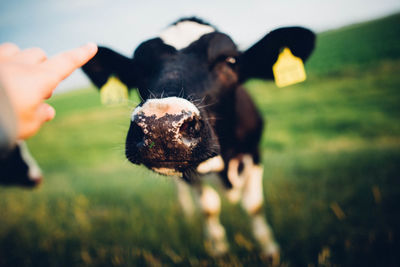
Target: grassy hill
pixel 357 46
pixel 331 156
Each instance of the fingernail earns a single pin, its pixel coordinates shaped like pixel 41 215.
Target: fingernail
pixel 91 46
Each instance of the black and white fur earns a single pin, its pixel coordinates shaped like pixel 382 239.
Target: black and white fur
pixel 19 168
pixel 196 117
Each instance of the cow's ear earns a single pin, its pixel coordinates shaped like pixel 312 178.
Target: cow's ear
pixel 107 63
pixel 257 61
pixel 220 45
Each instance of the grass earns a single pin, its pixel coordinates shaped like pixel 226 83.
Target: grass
pixel 357 46
pixel 331 156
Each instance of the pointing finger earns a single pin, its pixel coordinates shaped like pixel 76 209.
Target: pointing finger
pixel 63 64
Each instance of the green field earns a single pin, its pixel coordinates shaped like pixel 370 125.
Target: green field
pixel 331 151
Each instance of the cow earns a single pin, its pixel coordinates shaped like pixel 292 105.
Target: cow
pixel 196 117
pixel 19 168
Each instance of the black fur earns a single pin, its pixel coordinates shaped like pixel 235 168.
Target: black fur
pixel 14 170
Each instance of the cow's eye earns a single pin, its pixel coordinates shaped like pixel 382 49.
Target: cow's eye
pixel 230 60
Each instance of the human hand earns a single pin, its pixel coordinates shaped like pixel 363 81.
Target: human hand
pixel 29 78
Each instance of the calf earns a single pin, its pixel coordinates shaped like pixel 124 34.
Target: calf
pixel 19 168
pixel 196 117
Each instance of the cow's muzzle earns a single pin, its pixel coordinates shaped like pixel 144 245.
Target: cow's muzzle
pixel 166 135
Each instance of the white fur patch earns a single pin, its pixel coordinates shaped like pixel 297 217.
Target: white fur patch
pixel 216 243
pixel 233 195
pixel 253 193
pixel 160 107
pixel 184 33
pixel 215 164
pixel 233 170
pixel 238 180
pixel 34 171
pixel 210 201
pixel 233 174
pixel 264 236
pixel 185 198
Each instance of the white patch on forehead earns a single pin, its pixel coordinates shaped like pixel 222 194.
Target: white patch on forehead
pixel 34 171
pixel 184 33
pixel 162 106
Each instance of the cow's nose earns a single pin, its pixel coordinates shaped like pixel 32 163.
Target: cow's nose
pixel 164 132
pixel 168 130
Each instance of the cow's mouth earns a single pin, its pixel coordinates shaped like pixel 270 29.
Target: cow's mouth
pixel 177 165
pixel 168 171
pixel 169 168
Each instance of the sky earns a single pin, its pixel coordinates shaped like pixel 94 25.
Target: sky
pixel 57 25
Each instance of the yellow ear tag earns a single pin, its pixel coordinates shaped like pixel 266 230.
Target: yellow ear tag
pixel 288 69
pixel 113 92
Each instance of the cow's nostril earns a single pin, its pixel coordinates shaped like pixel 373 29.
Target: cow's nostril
pixel 191 128
pixel 134 143
pixel 137 135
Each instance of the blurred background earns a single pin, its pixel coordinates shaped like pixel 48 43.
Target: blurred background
pixel 330 148
pixel 123 25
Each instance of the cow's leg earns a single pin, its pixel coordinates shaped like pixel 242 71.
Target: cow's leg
pixel 210 204
pixel 236 179
pixel 252 201
pixel 185 198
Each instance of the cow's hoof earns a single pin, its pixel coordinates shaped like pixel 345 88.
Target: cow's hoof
pixel 271 255
pixel 215 237
pixel 217 248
